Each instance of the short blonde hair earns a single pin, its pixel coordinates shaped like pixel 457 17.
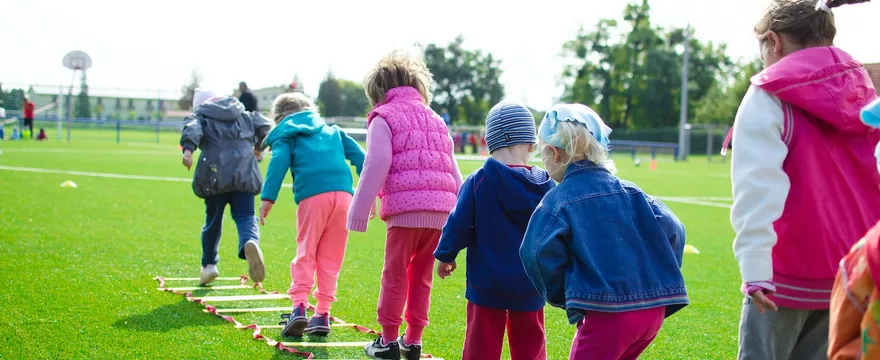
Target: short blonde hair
pixel 397 69
pixel 579 144
pixel 291 103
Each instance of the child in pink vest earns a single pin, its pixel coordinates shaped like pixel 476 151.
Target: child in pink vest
pixel 411 167
pixel 805 186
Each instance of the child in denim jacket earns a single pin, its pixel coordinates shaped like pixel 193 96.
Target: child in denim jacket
pixel 599 247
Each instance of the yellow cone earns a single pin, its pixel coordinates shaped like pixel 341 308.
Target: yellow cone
pixel 69 184
pixel 690 249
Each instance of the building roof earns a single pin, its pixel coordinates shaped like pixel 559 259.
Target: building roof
pixel 874 72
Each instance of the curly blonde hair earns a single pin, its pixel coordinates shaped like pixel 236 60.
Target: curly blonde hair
pixel 291 103
pixel 578 144
pixel 399 68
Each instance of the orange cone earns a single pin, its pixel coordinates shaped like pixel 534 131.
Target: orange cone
pixel 653 165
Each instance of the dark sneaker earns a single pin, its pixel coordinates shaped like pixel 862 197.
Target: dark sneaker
pixel 254 256
pixel 319 325
pixel 409 352
pixel 378 350
pixel 296 321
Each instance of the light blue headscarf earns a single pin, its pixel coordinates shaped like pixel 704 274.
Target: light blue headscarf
pixel 576 113
pixel 871 117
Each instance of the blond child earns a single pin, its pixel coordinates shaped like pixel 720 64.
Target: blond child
pixel 315 154
pixel 411 168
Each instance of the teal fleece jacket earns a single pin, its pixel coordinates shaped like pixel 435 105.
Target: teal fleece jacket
pixel 315 153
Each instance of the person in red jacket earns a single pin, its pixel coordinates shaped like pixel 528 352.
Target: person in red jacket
pixel 28 115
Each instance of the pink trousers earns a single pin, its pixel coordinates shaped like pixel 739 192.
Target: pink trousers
pixel 616 336
pixel 320 248
pixel 484 336
pixel 406 281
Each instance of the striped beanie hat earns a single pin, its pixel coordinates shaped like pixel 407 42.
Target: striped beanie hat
pixel 509 124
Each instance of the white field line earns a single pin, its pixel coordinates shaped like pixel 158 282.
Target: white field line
pixel 694 201
pixel 93 151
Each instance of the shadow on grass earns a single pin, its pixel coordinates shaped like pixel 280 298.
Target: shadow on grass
pixel 169 317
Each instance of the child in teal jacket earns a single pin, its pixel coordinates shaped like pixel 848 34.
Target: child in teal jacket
pixel 315 153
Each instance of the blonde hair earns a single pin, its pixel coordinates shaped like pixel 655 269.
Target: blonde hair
pixel 291 103
pixel 578 144
pixel 397 69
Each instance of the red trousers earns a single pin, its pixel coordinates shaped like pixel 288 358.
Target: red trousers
pixel 616 336
pixel 485 334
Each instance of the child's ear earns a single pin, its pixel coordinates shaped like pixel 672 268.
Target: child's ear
pixel 557 155
pixel 531 147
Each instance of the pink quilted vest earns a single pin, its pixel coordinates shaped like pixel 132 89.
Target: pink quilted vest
pixel 835 188
pixel 421 177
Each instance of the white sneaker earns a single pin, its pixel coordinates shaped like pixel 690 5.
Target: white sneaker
pixel 208 274
pixel 254 256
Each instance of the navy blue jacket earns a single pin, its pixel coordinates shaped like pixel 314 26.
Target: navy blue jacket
pixel 597 243
pixel 490 219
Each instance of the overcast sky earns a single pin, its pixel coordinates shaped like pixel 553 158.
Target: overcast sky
pixel 155 45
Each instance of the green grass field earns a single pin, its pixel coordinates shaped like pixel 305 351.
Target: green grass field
pixel 77 265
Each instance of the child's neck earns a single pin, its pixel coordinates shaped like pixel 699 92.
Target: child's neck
pixel 512 156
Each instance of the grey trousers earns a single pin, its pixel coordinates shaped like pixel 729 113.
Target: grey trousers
pixel 789 334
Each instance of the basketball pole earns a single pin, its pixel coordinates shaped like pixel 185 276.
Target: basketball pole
pixel 682 125
pixel 70 104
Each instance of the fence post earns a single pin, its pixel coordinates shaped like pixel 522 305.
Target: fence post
pixel 118 130
pixel 633 152
pixel 653 152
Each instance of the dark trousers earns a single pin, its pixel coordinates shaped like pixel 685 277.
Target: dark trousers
pixel 242 205
pixel 28 123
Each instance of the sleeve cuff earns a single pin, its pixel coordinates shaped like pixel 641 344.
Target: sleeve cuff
pixel 269 200
pixel 447 258
pixel 750 288
pixel 357 225
pixel 188 146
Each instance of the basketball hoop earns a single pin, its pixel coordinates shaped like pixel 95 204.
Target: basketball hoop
pixel 77 60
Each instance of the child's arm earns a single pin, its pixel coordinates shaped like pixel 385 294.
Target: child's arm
pixel 262 126
pixel 544 255
pixel 279 165
pixel 353 152
pixel 458 233
pixel 456 172
pixel 377 164
pixel 191 135
pixel 760 186
pixel 671 225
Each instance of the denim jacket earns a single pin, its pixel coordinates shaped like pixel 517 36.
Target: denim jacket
pixel 598 243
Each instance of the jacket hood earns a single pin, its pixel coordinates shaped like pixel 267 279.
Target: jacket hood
pixel 301 123
pixel 825 82
pixel 519 194
pixel 225 109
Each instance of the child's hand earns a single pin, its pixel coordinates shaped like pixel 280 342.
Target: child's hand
pixel 187 159
pixel 265 208
pixel 373 210
pixel 762 302
pixel 258 154
pixel 445 269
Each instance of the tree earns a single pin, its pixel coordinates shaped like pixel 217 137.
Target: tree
pixel 330 96
pixel 630 71
pixel 189 90
pixel 720 104
pixel 354 100
pixel 82 108
pixel 466 82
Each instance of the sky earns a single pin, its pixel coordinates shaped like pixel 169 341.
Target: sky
pixel 154 46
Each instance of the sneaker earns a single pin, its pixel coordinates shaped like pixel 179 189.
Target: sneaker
pixel 409 352
pixel 296 321
pixel 378 350
pixel 208 274
pixel 254 256
pixel 319 325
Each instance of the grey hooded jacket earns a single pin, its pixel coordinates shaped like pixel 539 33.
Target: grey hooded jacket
pixel 227 136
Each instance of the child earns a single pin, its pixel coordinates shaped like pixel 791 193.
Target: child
pixel 597 246
pixel 490 219
pixel 15 134
pixel 855 301
pixel 410 165
pixel 315 155
pixel 804 182
pixel 226 173
pixel 42 136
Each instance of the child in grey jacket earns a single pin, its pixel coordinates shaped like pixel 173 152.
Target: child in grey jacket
pixel 226 173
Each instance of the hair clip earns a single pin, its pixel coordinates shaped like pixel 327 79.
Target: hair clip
pixel 823 5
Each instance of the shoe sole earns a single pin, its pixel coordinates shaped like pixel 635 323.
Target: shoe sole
pixel 209 279
pixel 295 328
pixel 319 331
pixel 254 257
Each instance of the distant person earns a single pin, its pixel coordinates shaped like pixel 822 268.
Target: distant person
pixel 15 134
pixel 804 180
pixel 247 98
pixel 27 109
pixel 42 136
pixel 490 220
pixel 854 332
pixel 418 184
pixel 444 114
pixel 322 191
pixel 226 174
